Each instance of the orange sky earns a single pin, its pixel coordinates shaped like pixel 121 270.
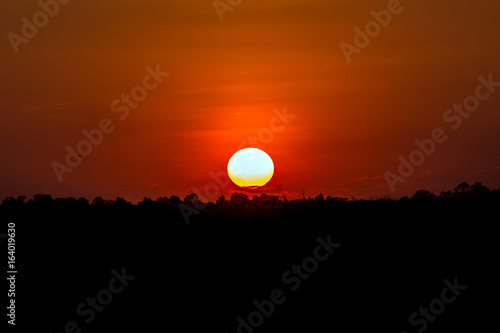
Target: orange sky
pixel 351 123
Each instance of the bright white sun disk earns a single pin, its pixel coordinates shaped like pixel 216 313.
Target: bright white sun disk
pixel 250 167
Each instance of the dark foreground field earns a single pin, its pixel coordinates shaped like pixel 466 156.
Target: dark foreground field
pixel 360 266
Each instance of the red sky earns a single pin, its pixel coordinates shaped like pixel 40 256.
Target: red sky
pixel 352 120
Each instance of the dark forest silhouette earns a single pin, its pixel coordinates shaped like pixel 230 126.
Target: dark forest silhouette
pixel 393 258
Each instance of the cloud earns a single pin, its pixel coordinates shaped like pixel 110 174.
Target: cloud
pixel 429 172
pixel 362 179
pixel 279 189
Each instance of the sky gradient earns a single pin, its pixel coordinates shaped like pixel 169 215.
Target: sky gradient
pixel 228 79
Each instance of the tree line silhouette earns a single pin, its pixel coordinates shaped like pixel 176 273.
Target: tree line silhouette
pixel 463 191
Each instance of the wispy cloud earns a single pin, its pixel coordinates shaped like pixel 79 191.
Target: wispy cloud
pixel 362 179
pixel 429 172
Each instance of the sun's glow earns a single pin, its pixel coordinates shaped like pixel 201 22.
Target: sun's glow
pixel 250 167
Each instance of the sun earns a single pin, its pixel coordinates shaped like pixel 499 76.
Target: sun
pixel 250 167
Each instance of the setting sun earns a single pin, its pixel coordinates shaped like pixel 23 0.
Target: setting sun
pixel 250 167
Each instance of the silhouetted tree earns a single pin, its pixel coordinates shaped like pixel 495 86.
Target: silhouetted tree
pixel 175 200
pixel 163 201
pixel 462 188
pixel 42 199
pixel 423 195
pixel 239 199
pixel 255 201
pixel 320 197
pixel 12 202
pixel 190 198
pixel 273 200
pixel 265 201
pixel 82 202
pixel 478 189
pixel 98 201
pixel 121 202
pixel 221 202
pixel 146 202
